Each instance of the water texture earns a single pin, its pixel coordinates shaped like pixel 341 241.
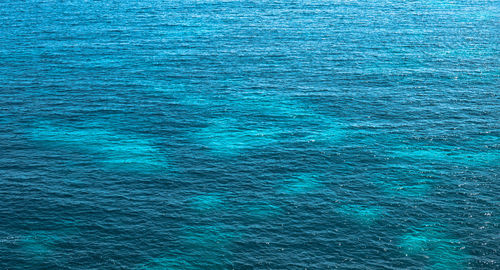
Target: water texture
pixel 249 134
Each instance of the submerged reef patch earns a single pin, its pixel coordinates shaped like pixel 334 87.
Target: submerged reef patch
pixel 110 149
pixel 432 155
pixel 300 184
pixel 433 244
pixel 363 214
pixel 228 136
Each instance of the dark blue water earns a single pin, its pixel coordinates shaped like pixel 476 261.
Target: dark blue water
pixel 249 134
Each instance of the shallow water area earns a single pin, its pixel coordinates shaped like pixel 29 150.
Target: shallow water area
pixel 363 214
pixel 432 244
pixel 110 149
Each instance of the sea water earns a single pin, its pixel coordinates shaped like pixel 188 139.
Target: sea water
pixel 259 134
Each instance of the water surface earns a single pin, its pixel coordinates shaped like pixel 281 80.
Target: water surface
pixel 256 134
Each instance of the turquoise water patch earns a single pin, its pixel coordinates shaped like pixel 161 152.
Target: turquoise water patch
pixel 206 202
pixel 326 131
pixel 288 117
pixel 182 94
pixel 407 185
pixel 167 263
pixel 432 243
pixel 444 155
pixel 254 210
pixel 408 190
pixel 112 150
pixel 38 244
pixel 275 106
pixel 228 136
pixel 262 210
pixel 363 214
pixel 294 117
pixel 300 184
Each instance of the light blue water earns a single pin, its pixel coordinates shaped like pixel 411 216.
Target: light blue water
pixel 249 134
